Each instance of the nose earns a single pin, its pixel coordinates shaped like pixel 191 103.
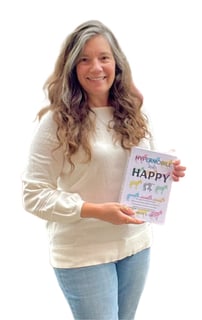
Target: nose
pixel 96 65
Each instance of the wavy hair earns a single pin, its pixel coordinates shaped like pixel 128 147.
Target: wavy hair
pixel 69 101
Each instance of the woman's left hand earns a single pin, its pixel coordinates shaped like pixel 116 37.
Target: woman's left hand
pixel 178 170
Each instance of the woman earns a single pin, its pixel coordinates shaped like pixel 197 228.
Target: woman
pixel 98 248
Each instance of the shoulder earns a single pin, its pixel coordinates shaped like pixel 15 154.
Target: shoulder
pixel 47 123
pixel 47 127
pixel 47 120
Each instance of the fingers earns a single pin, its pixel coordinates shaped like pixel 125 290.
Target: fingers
pixel 178 170
pixel 130 216
pixel 177 165
pixel 127 210
pixel 134 221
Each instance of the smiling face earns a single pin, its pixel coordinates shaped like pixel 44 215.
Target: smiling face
pixel 96 70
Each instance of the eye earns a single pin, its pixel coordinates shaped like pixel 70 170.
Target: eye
pixel 83 60
pixel 104 58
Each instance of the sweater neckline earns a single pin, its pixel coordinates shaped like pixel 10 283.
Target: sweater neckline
pixel 103 110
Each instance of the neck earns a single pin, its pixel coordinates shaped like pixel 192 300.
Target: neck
pixel 97 102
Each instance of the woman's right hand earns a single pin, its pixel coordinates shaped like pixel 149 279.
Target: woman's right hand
pixel 112 212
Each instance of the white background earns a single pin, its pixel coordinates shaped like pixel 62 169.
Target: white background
pixel 162 40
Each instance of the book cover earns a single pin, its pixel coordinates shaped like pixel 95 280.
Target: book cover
pixel 147 184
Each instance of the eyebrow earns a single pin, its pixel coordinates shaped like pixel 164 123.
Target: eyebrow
pixel 101 53
pixel 106 52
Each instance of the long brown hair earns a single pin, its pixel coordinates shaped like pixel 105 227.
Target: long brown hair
pixel 69 102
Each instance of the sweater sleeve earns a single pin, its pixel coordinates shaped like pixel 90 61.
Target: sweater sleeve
pixel 41 196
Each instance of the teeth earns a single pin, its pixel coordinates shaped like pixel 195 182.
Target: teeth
pixel 100 78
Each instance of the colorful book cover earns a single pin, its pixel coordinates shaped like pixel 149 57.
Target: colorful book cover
pixel 147 184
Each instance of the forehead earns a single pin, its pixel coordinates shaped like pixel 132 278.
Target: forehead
pixel 97 43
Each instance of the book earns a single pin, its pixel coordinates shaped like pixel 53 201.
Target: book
pixel 147 184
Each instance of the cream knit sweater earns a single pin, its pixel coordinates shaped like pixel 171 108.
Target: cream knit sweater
pixel 53 193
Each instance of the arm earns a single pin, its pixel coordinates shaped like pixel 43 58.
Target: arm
pixel 41 195
pixel 112 212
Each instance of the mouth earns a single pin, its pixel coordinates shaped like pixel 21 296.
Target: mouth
pixel 96 78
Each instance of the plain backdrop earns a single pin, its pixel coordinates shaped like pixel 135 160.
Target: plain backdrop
pixel 162 40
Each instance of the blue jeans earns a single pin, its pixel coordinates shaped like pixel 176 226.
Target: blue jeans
pixel 109 291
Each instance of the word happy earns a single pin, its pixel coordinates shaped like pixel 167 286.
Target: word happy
pixel 150 175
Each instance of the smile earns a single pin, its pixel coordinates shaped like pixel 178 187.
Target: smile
pixel 97 78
